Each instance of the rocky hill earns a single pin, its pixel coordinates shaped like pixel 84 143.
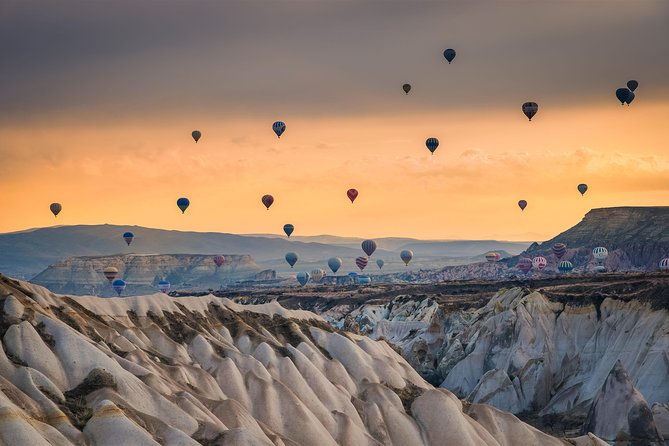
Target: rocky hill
pixel 142 272
pixel 155 370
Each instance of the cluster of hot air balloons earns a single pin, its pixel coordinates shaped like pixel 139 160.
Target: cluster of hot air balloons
pixel 626 94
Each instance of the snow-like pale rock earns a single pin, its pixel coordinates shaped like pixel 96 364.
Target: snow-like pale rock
pixel 184 371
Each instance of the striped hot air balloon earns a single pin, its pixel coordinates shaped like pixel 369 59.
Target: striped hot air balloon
pixel 559 249
pixel 164 286
pixel 539 263
pixel 361 262
pixel 432 144
pixel 279 127
pixel 664 264
pixel 565 266
pixel 369 246
pixel 600 253
pixel 493 257
pixel 317 274
pixel 110 273
pixel 525 265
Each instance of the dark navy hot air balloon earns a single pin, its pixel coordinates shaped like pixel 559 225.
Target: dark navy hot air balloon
pixel 291 258
pixel 522 204
pixel 196 135
pixel 279 127
pixel 183 203
pixel 267 200
pixel 288 229
pixel 449 55
pixel 119 286
pixel 369 246
pixel 128 236
pixel 361 262
pixel 530 109
pixel 334 263
pixel 55 208
pixel 632 85
pixel 406 88
pixel 623 95
pixel 582 188
pixel 432 144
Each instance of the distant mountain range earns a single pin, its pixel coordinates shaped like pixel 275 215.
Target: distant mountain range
pixel 27 253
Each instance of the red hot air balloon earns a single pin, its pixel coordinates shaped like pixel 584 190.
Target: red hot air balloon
pixel 361 262
pixel 522 204
pixel 352 194
pixel 219 261
pixel 267 200
pixel 539 263
pixel 525 265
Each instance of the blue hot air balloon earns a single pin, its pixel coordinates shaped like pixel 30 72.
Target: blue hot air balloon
pixel 334 263
pixel 279 127
pixel 291 258
pixel 623 94
pixel 380 263
pixel 449 55
pixel 288 229
pixel 632 85
pixel 303 277
pixel 364 280
pixel 119 286
pixel 183 204
pixel 164 286
pixel 565 266
pixel 128 236
pixel 432 144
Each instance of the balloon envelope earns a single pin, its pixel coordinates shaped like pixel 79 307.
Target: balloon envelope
pixel 55 208
pixel 600 253
pixel 622 94
pixel 364 280
pixel 432 144
pixel 317 274
pixel 525 264
pixel 369 246
pixel 380 263
pixel 522 204
pixel 164 286
pixel 352 194
pixel 334 263
pixel 406 88
pixel 361 262
pixel 530 109
pixel 630 98
pixel 539 263
pixel 493 257
pixel 288 229
pixel 664 264
pixel 303 278
pixel 128 236
pixel 565 266
pixel 406 256
pixel 219 261
pixel 183 203
pixel 119 286
pixel 279 127
pixel 449 55
pixel 110 273
pixel 291 258
pixel 196 135
pixel 582 188
pixel 267 200
pixel 632 85
pixel 559 249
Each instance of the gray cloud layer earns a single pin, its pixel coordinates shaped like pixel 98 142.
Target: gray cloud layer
pixel 324 57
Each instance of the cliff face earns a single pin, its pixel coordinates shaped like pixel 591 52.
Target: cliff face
pixel 83 275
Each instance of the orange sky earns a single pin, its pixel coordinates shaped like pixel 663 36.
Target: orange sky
pixel 132 174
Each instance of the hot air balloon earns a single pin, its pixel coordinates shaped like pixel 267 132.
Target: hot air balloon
pixel 291 258
pixel 664 264
pixel 449 55
pixel 493 257
pixel 380 263
pixel 267 200
pixel 361 262
pixel 164 286
pixel 55 208
pixel 183 203
pixel 352 194
pixel 279 127
pixel 219 261
pixel 582 188
pixel 622 94
pixel 196 135
pixel 369 246
pixel 317 274
pixel 599 269
pixel 119 286
pixel 522 204
pixel 559 249
pixel 432 144
pixel 630 98
pixel 525 265
pixel 334 263
pixel 530 109
pixel 128 236
pixel 632 85
pixel 303 277
pixel 288 229
pixel 539 263
pixel 364 280
pixel 406 88
pixel 565 266
pixel 600 253
pixel 110 273
pixel 353 276
pixel 406 256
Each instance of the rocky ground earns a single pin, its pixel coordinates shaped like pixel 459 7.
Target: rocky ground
pixel 548 350
pixel 155 370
